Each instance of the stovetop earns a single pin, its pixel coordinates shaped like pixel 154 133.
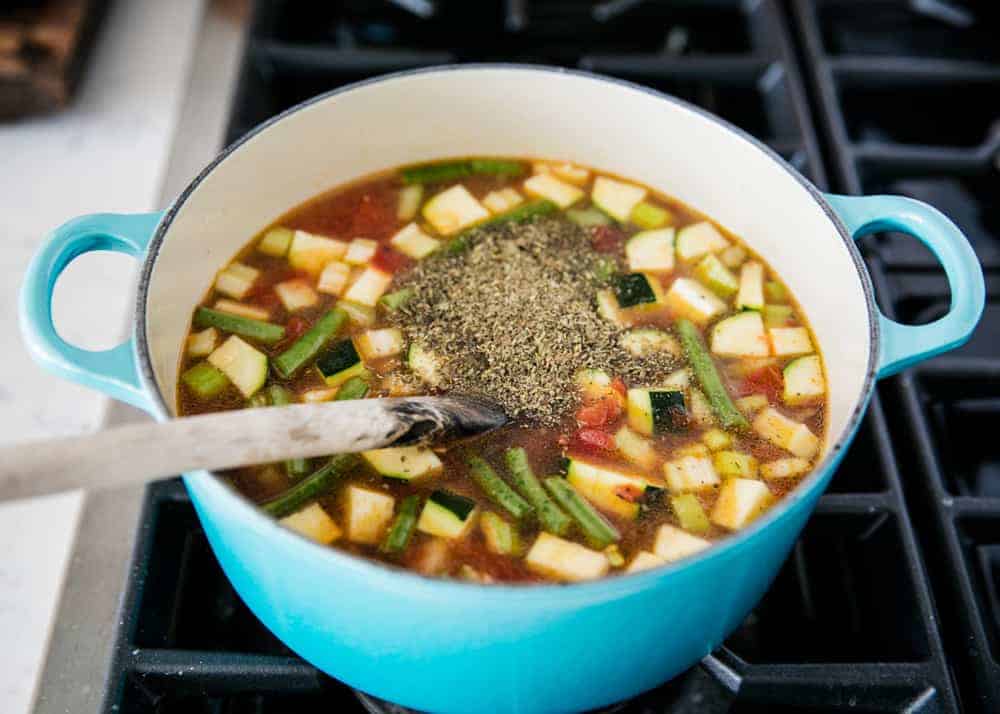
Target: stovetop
pixel 890 601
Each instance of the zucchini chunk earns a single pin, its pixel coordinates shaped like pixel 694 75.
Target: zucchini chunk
pixel 296 294
pixel 636 290
pixel 201 344
pixel 645 341
pixel 368 514
pixel 313 523
pixel 648 216
pixel 339 363
pixel 404 462
pixel 605 488
pixel 689 298
pixel 236 280
pixel 588 217
pixel 275 242
pixel 716 439
pixel 690 473
pixel 740 501
pixel 334 277
pixel 786 433
pixel 733 256
pixel 689 513
pixel 361 315
pixel 311 252
pixel 411 241
pixel 804 382
pixel 719 279
pixel 245 366
pixel 360 251
pixel 777 315
pixel 790 341
pixel 792 467
pixel 379 344
pixel 775 291
pixel 644 560
pixel 635 448
pixel 554 557
pixel 699 239
pixel 423 363
pixel 250 312
pixel 448 515
pixel 651 250
pixel 672 543
pixel 735 464
pixel 454 209
pixel 548 186
pixel 656 411
pixel 204 380
pixel 741 335
pixel 368 287
pixel 616 198
pixel 409 202
pixel 500 536
pixel 751 292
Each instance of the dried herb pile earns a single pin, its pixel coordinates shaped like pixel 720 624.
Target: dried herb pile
pixel 513 318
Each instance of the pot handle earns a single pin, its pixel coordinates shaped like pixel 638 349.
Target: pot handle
pixel 904 345
pixel 112 371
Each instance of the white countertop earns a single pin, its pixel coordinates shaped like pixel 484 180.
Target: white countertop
pixel 108 152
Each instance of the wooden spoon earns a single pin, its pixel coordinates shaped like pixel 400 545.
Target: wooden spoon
pixel 143 452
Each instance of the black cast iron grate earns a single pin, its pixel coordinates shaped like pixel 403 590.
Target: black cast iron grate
pixel 850 621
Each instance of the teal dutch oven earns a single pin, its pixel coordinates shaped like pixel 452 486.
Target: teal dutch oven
pixel 458 647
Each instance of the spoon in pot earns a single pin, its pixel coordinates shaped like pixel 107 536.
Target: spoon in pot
pixel 242 437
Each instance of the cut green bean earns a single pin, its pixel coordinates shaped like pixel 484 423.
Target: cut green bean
pixel 402 528
pixel 523 213
pixel 549 514
pixel 599 533
pixel 265 332
pixel 497 489
pixel 279 397
pixel 451 170
pixel 312 487
pixel 204 380
pixel 396 300
pixel 309 344
pixel 354 388
pixel 708 376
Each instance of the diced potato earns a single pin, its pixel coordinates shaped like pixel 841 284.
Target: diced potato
pixel 607 307
pixel 360 251
pixel 699 239
pixel 609 490
pixel 378 344
pixel 314 523
pixel 740 335
pixel 716 439
pixel 735 464
pixel 789 434
pixel 645 341
pixel 548 186
pixel 454 209
pixel 412 241
pixel 236 280
pixel 644 560
pixel 740 501
pixel 314 396
pixel 554 557
pixel 672 543
pixel 245 366
pixel 296 294
pixel 700 409
pixel 752 403
pixel 311 252
pixel 616 198
pixel 790 341
pixel 697 450
pixel 751 292
pixel 502 200
pixel 409 202
pixel 594 384
pixel 369 287
pixel 681 379
pixel 689 298
pixel 275 242
pixel 690 473
pixel 733 256
pixel 433 557
pixel 237 308
pixel 634 448
pixel 792 467
pixel 368 514
pixel 569 172
pixel 334 277
pixel 651 250
pixel 200 344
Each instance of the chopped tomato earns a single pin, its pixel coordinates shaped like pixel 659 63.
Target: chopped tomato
pixel 607 239
pixel 594 440
pixel 601 412
pixel 767 380
pixel 389 261
pixel 618 385
pixel 295 326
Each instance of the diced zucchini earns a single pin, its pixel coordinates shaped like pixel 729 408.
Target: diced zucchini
pixel 616 198
pixel 502 200
pixel 689 513
pixel 409 202
pixel 651 250
pixel 614 555
pixel 740 501
pixel 646 341
pixel 644 560
pixel 251 312
pixel 717 277
pixel 741 335
pixel 690 473
pixel 789 434
pixel 379 344
pixel 313 523
pixel 775 291
pixel 605 488
pixel 204 380
pixel 501 537
pixel 554 557
pixel 368 287
pixel 804 381
pixel 700 408
pixel 334 277
pixel 594 384
pixel 699 239
pixel 655 411
pixel 423 363
pixel 296 294
pixel 636 290
pixel 735 464
pixel 360 251
pixel 245 366
pixel 733 256
pixel 201 344
pixel 716 439
pixel 689 298
pixel 777 315
pixel 412 241
pixel 404 462
pixel 395 300
pixel 275 242
pixel 568 172
pixel 312 252
pixel 635 448
pixel 648 215
pixel 339 363
pixel 588 217
pixel 454 209
pixel 752 403
pixel 672 543
pixel 548 186
pixel 607 307
pixel 360 315
pixel 790 341
pixel 447 515
pixel 751 292
pixel 354 388
pixel 236 280
pixel 791 467
pixel 368 514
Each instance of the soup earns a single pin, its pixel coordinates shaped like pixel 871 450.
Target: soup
pixel 664 387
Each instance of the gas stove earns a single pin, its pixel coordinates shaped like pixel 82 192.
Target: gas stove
pixel 890 601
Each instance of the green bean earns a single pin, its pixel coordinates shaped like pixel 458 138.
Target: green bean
pixel 279 397
pixel 549 514
pixel 521 214
pixel 310 488
pixel 354 388
pixel 497 489
pixel 599 533
pixel 265 332
pixel 708 376
pixel 402 528
pixel 451 170
pixel 396 300
pixel 309 344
